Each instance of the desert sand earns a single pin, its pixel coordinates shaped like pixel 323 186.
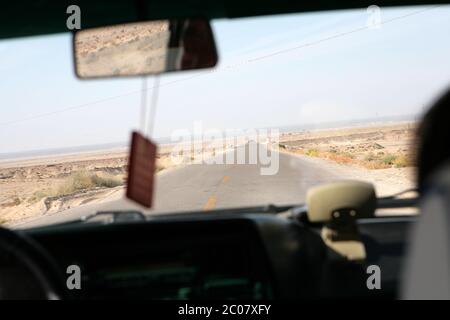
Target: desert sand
pixel 48 184
pixel 381 154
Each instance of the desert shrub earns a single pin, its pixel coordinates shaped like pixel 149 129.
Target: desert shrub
pixel 373 165
pixel 83 180
pixel 349 155
pixel 339 158
pixel 402 161
pixel 77 181
pixel 312 153
pixel 106 181
pixel 388 159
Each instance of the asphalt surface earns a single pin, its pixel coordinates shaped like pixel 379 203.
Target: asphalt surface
pixel 205 187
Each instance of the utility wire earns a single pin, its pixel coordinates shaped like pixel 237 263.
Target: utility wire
pixel 153 105
pixel 144 103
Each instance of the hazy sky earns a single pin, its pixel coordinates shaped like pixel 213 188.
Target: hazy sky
pixel 273 71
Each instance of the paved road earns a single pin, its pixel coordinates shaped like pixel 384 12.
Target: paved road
pixel 204 187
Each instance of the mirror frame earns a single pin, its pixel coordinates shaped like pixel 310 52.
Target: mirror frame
pixel 212 39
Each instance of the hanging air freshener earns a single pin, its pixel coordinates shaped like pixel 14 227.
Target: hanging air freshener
pixel 142 158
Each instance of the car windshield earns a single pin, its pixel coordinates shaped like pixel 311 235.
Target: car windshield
pixel 295 101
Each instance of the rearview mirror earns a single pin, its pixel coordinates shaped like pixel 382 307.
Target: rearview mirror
pixel 144 48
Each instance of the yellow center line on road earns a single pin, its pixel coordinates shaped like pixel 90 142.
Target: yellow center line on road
pixel 210 204
pixel 212 200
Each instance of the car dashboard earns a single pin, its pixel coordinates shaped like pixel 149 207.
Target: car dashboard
pixel 251 256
